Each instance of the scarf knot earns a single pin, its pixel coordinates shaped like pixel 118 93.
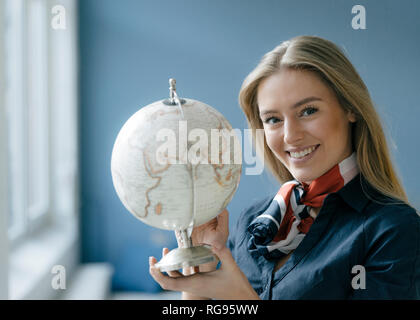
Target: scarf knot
pixel 283 225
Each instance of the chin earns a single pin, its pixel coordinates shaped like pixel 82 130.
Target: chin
pixel 307 178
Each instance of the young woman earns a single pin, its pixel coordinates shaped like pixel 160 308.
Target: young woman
pixel 340 227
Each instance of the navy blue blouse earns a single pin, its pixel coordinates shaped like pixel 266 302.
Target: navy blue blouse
pixel 355 249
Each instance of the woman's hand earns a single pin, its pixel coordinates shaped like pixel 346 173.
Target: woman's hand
pixel 213 233
pixel 228 282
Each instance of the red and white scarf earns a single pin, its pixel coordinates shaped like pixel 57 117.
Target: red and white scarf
pixel 284 224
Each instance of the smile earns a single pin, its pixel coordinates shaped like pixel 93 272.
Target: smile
pixel 302 155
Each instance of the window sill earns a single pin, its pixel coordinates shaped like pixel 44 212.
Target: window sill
pixel 31 262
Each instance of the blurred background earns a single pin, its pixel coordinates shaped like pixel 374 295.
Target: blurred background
pixel 71 74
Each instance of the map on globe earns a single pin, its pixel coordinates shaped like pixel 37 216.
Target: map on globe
pixel 164 167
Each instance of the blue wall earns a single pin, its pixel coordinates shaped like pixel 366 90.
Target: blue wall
pixel 129 49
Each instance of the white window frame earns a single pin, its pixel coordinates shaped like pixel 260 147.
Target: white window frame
pixel 4 250
pixel 47 233
pixel 28 105
pixel 15 129
pixel 37 101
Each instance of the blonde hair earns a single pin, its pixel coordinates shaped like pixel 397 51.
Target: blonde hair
pixel 330 64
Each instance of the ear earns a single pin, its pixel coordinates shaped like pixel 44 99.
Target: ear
pixel 351 116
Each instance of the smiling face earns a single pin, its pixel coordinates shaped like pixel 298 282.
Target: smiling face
pixel 304 124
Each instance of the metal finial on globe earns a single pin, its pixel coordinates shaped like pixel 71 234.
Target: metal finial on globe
pixel 173 97
pixel 172 89
pixel 172 83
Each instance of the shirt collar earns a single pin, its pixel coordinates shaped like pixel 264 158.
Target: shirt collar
pixel 354 193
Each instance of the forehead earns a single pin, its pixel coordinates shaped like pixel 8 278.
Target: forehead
pixel 288 86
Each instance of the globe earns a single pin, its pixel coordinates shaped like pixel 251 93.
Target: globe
pixel 176 164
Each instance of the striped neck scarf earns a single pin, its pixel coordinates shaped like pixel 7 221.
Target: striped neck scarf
pixel 286 221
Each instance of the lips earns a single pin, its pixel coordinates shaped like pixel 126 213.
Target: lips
pixel 302 154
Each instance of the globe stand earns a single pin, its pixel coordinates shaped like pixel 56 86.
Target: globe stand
pixel 133 163
pixel 186 255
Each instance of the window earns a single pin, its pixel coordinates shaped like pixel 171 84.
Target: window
pixel 41 105
pixel 26 100
pixel 4 283
pixel 38 145
pixel 13 102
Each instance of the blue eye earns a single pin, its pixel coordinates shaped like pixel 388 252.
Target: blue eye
pixel 308 111
pixel 268 120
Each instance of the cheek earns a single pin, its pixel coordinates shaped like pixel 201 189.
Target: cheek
pixel 332 131
pixel 324 126
pixel 274 141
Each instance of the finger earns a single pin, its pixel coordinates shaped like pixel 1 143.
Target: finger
pixel 183 283
pixel 223 220
pixel 223 227
pixel 187 271
pixel 174 273
pixel 152 261
pixel 159 277
pixel 165 251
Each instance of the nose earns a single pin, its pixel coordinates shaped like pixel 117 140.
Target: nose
pixel 293 132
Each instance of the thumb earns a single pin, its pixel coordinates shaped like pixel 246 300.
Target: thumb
pixel 223 220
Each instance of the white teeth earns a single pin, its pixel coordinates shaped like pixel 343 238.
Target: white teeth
pixel 302 153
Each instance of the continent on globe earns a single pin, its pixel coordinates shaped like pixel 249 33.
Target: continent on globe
pixel 174 169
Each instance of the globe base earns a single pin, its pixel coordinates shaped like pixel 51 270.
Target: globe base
pixel 185 257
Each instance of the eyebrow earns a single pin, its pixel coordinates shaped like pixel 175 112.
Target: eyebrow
pixel 297 104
